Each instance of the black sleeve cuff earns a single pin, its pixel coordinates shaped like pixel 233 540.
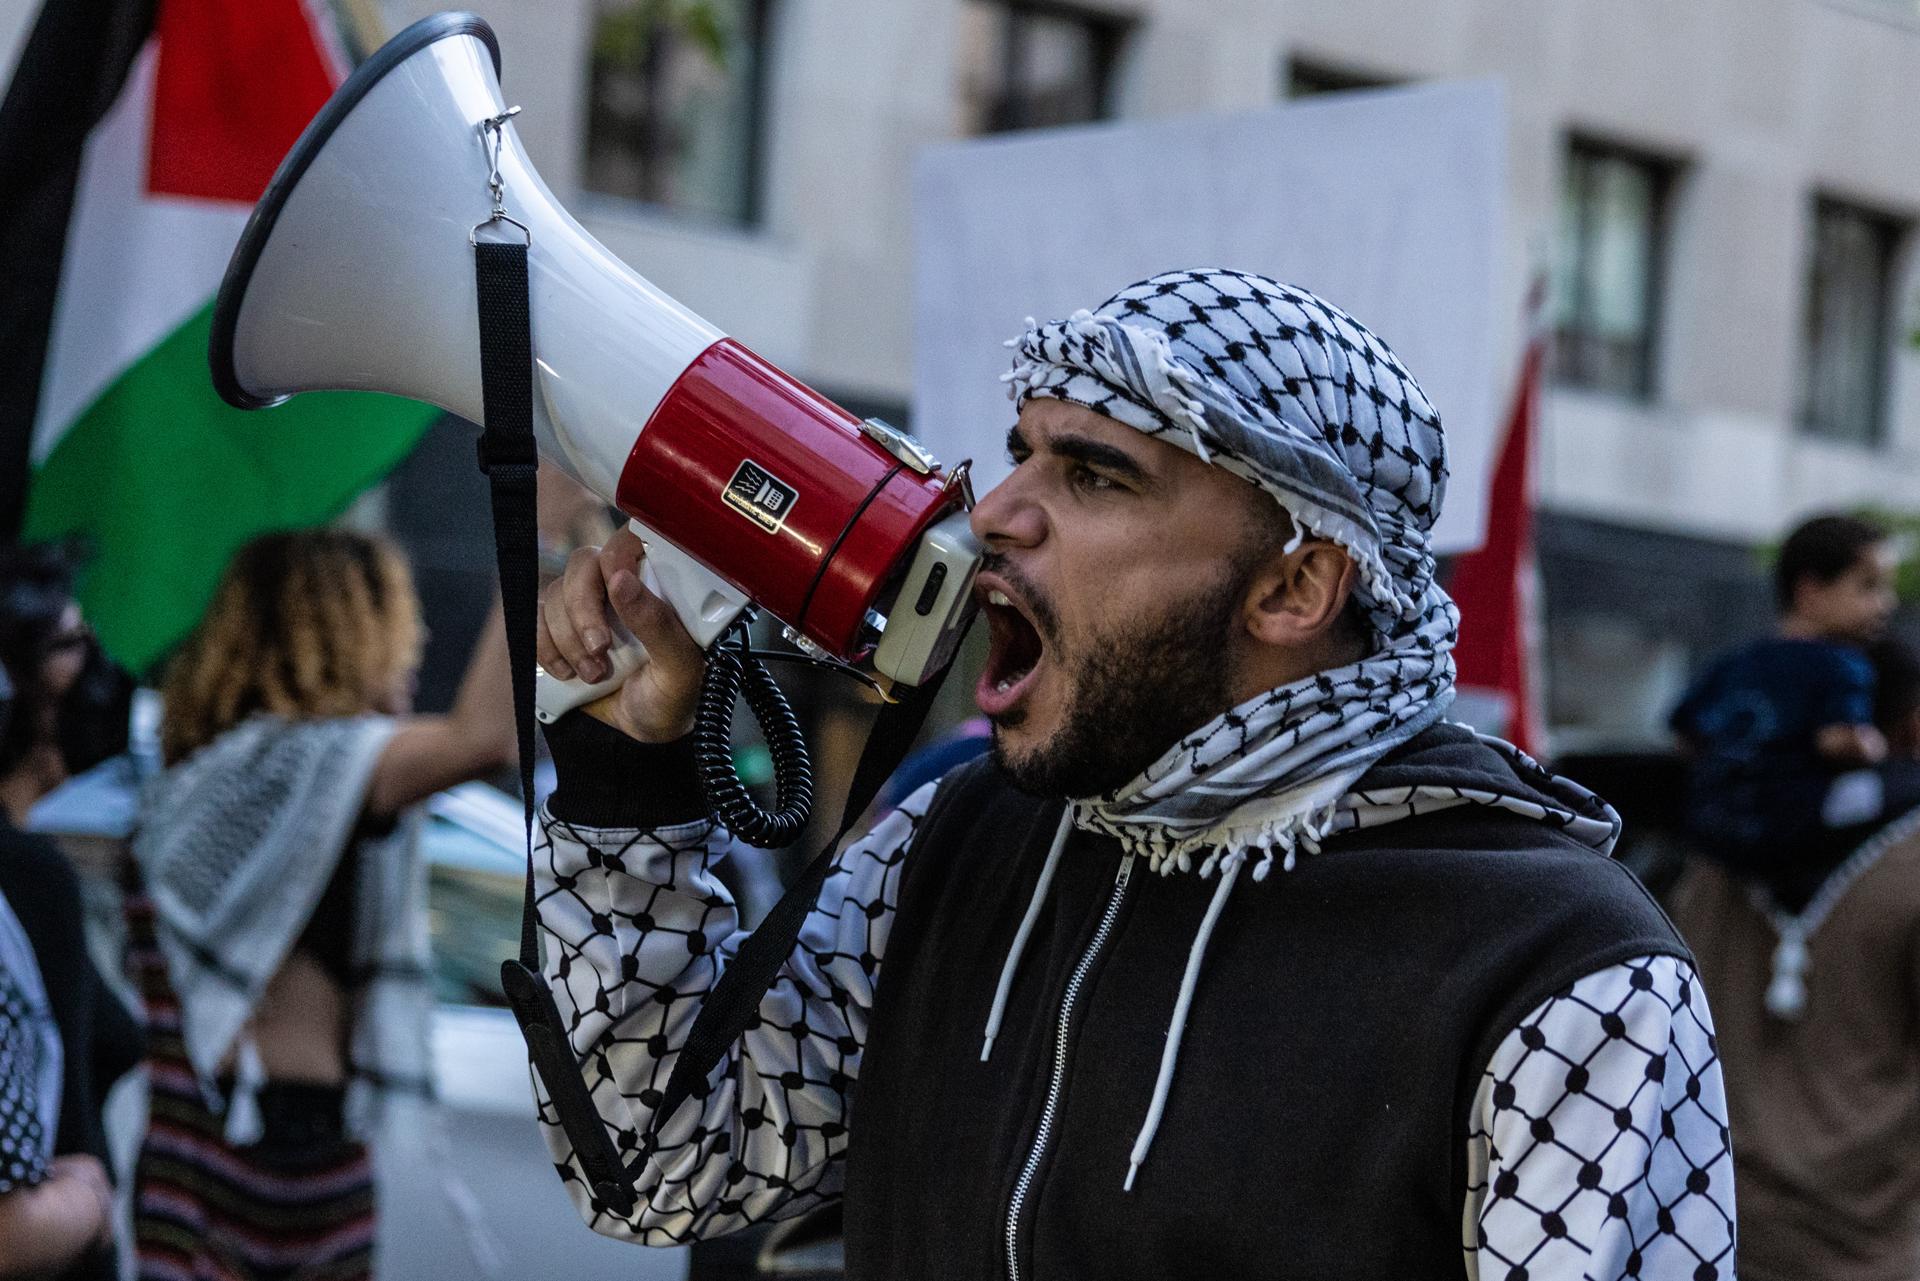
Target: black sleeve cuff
pixel 605 779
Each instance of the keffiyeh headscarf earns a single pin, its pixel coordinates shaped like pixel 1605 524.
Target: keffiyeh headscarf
pixel 1298 398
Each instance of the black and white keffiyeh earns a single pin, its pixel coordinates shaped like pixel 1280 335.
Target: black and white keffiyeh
pixel 236 845
pixel 1298 398
pixel 32 1060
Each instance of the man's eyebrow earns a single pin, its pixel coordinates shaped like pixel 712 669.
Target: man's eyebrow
pixel 1096 453
pixel 1083 449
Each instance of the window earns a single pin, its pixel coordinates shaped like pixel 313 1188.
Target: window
pixel 1027 63
pixel 1607 290
pixel 1303 78
pixel 673 110
pixel 1848 322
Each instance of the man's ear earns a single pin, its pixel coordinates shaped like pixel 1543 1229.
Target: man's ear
pixel 1297 597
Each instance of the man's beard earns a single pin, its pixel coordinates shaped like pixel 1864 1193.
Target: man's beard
pixel 1132 695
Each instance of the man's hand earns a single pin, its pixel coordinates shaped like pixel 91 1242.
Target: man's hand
pixel 575 633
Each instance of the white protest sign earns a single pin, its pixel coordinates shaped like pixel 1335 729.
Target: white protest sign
pixel 1388 204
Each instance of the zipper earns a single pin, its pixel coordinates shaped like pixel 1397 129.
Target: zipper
pixel 1024 1184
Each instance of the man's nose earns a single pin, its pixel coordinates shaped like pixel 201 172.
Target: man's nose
pixel 1006 516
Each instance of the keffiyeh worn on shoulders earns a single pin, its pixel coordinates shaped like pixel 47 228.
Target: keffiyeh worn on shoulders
pixel 236 844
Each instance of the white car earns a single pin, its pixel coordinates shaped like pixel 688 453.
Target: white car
pixel 476 857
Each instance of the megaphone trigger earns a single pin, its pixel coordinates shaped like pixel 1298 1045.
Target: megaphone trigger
pixel 707 603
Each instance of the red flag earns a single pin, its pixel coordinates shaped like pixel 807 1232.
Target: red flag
pixel 238 81
pixel 1492 585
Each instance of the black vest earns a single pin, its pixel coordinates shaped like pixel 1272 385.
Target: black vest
pixel 1318 1117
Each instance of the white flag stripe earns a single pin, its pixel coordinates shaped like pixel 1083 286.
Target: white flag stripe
pixel 136 266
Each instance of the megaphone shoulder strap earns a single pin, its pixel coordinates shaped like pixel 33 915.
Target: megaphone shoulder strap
pixel 510 459
pixel 511 462
pixel 730 1007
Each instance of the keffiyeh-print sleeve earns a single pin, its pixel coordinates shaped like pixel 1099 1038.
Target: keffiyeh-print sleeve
pixel 1598 1143
pixel 637 931
pixel 23 1142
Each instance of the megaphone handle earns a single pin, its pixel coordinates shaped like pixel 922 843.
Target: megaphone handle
pixel 554 698
pixel 706 603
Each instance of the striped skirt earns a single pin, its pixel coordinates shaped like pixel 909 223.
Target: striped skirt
pixel 298 1206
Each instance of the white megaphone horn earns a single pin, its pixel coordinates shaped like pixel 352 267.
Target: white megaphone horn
pixel 356 272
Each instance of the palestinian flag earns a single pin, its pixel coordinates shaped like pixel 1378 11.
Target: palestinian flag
pixel 135 138
pixel 1496 670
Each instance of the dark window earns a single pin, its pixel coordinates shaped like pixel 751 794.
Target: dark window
pixel 1028 63
pixel 674 104
pixel 1613 214
pixel 1630 616
pixel 1848 322
pixel 1303 78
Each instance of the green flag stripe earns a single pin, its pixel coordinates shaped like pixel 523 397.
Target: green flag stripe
pixel 164 481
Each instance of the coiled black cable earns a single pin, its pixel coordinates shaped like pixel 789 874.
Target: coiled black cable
pixel 731 672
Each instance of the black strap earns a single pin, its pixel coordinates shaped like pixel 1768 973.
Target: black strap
pixel 511 461
pixel 734 1001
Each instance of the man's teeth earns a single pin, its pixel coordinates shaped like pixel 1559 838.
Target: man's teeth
pixel 998 598
pixel 1003 686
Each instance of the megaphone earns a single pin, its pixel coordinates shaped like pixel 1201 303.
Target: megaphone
pixel 356 272
pixel 363 268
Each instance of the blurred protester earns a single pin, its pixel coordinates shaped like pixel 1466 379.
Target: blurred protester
pixel 1817 1014
pixel 54 1210
pixel 282 943
pixel 68 712
pixel 1777 724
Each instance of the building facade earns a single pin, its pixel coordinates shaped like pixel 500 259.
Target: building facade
pixel 1721 193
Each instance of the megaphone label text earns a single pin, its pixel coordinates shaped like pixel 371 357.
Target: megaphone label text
pixel 760 496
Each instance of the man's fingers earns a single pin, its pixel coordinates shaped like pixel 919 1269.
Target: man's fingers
pixel 577 616
pixel 558 628
pixel 545 652
pixel 622 551
pixel 653 623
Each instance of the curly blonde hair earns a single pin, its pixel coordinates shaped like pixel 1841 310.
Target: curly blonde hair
pixel 306 623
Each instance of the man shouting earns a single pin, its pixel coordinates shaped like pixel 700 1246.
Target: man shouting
pixel 1235 959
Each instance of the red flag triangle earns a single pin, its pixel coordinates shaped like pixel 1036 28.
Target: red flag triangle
pixel 237 82
pixel 1490 584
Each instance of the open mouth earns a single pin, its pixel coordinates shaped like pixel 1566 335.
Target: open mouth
pixel 1015 650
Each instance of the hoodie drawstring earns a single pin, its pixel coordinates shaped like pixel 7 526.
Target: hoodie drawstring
pixel 1007 970
pixel 1229 872
pixel 1163 1084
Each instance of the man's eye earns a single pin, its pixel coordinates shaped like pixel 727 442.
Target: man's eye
pixel 1084 477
